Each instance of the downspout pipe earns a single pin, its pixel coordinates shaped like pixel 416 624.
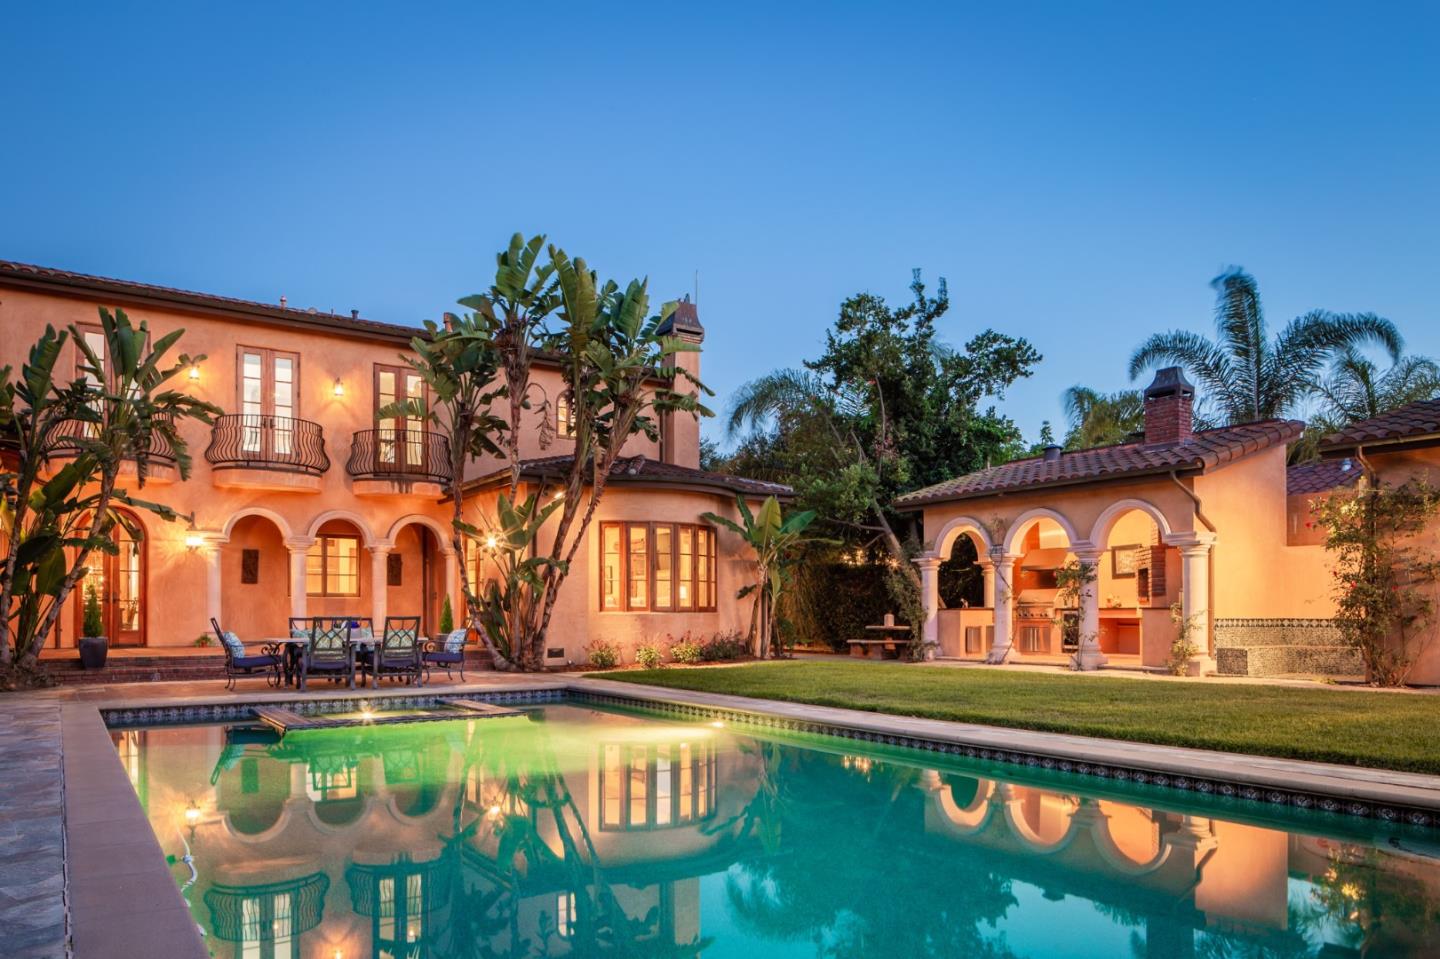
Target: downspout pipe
pixel 1199 512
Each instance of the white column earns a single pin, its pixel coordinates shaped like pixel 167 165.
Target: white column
pixel 213 581
pixel 1004 568
pixel 1089 656
pixel 1195 596
pixel 987 569
pixel 930 600
pixel 379 590
pixel 298 604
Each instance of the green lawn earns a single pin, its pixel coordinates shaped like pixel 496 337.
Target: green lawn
pixel 1389 730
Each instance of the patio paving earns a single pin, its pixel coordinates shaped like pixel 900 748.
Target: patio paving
pixel 33 893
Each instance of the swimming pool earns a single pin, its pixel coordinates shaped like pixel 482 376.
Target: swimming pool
pixel 579 830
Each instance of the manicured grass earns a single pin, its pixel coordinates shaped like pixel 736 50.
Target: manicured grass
pixel 1387 730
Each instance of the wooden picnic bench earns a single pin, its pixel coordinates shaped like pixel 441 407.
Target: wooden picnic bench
pixel 888 640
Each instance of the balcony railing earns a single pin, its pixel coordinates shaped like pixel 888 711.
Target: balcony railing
pixel 256 441
pixel 393 454
pixel 64 441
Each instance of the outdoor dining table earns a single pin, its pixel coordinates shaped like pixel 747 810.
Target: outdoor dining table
pixel 294 647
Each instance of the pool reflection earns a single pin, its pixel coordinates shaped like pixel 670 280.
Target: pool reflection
pixel 579 832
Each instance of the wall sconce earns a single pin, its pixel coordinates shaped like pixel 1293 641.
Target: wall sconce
pixel 194 371
pixel 339 388
pixel 193 539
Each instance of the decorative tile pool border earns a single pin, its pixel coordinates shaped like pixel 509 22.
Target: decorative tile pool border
pixel 1211 787
pixel 122 717
pixel 1225 789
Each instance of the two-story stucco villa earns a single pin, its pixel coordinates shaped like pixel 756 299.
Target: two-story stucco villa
pixel 306 503
pixel 1213 521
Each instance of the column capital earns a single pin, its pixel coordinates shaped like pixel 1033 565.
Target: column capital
pixel 927 562
pixel 1087 552
pixel 299 544
pixel 381 546
pixel 1189 541
pixel 984 561
pixel 998 554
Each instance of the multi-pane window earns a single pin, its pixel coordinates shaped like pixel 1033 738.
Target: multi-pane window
pixel 564 416
pixel 267 927
pixel 644 786
pixel 664 567
pixel 401 439
pixel 332 566
pixel 565 915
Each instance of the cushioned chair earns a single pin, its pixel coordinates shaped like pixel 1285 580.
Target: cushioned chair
pixel 398 655
pixel 451 652
pixel 239 662
pixel 329 652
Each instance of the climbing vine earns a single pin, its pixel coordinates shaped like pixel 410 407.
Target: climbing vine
pixel 1385 572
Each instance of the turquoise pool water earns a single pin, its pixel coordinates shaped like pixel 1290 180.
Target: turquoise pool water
pixel 579 831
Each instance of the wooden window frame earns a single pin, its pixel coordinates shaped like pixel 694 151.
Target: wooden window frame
pixel 267 379
pixel 325 591
pixel 704 592
pixel 564 418
pixel 702 770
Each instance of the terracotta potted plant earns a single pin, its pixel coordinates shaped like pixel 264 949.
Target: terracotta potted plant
pixel 93 644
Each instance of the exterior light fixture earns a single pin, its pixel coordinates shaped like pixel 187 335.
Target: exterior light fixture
pixel 193 539
pixel 339 388
pixel 192 815
pixel 194 371
pixel 491 542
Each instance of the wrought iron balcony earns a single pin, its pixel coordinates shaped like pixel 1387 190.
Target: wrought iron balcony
pixel 65 441
pixel 256 441
pixel 391 454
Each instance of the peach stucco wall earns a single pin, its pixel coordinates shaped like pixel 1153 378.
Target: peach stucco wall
pixel 231 519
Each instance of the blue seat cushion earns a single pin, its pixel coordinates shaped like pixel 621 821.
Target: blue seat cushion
pixel 444 657
pixel 255 662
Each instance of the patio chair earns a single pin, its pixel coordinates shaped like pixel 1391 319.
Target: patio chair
pixel 399 652
pixel 238 662
pixel 451 653
pixel 362 627
pixel 329 652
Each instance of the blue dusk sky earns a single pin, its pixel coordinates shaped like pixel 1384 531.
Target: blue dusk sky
pixel 1077 171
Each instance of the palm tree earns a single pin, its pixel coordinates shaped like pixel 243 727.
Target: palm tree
pixel 1247 374
pixel 1356 389
pixel 774 539
pixel 1101 419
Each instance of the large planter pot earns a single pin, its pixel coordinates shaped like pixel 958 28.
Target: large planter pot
pixel 93 650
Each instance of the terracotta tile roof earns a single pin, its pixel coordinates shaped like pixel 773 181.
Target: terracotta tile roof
pixel 1318 477
pixel 26 274
pixel 1204 450
pixel 642 469
pixel 1412 421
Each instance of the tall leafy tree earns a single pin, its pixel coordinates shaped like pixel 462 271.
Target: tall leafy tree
pixel 885 408
pixel 1101 419
pixel 1356 389
pixel 1245 372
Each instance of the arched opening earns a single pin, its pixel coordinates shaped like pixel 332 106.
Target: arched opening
pixel 415 576
pixel 1046 623
pixel 1040 818
pixel 255 572
pixel 1137 579
pixel 118 582
pixel 337 571
pixel 965 589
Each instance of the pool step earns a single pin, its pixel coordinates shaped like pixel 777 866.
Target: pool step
pixel 288 721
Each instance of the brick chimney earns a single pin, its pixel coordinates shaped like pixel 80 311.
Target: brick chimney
pixel 1168 402
pixel 680 432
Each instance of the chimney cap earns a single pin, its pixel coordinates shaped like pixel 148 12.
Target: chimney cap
pixel 1052 453
pixel 1170 381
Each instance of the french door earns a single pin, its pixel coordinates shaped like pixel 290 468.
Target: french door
pixel 118 580
pixel 400 440
pixel 269 386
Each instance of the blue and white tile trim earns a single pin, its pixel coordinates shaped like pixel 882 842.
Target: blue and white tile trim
pixel 1218 788
pixel 347 703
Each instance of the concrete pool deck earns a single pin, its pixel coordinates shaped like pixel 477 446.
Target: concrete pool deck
pixel 81 872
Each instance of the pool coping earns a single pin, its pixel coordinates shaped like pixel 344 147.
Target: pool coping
pixel 124 901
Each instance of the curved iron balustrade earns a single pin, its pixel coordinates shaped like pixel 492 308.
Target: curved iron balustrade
pixel 63 441
pixel 299 914
pixel 400 454
pixel 256 441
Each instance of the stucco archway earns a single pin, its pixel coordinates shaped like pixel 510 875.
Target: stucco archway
pixel 1100 532
pixel 367 538
pixel 280 522
pixel 961 526
pixel 1025 520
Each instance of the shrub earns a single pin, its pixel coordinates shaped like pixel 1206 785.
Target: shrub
pixel 687 651
pixel 603 655
pixel 447 618
pixel 93 622
pixel 204 639
pixel 725 646
pixel 649 655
